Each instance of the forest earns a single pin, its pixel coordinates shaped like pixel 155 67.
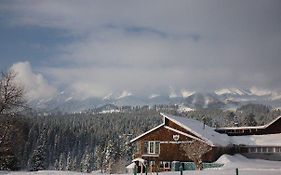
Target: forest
pixel 86 142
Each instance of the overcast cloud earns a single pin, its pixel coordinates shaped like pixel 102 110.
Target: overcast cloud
pixel 147 47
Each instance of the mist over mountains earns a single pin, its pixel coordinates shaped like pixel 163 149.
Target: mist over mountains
pixel 226 99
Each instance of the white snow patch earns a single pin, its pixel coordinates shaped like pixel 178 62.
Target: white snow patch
pixel 124 94
pixel 183 108
pixel 275 96
pixel 234 91
pixel 109 111
pixel 108 96
pixel 186 93
pixel 68 99
pixel 153 96
pixel 241 162
pixel 259 92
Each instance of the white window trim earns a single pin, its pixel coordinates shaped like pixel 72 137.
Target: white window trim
pixel 271 149
pixel 154 147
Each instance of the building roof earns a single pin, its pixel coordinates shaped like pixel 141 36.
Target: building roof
pixel 213 138
pixel 250 127
pixel 206 133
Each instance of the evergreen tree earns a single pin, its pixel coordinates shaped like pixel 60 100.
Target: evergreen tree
pixel 61 165
pixel 73 164
pixel 38 159
pixel 86 161
pixel 250 120
pixel 99 155
pixel 109 156
pixel 68 162
pixel 56 165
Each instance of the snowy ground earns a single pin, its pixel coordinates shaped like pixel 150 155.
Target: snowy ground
pixel 246 167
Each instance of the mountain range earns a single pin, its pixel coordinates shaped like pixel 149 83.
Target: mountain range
pixel 225 99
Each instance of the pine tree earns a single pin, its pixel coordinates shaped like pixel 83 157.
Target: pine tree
pixel 250 120
pixel 99 155
pixel 38 159
pixel 86 161
pixel 56 165
pixel 109 157
pixel 68 162
pixel 61 165
pixel 73 164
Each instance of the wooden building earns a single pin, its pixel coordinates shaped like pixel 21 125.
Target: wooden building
pixel 273 127
pixel 160 146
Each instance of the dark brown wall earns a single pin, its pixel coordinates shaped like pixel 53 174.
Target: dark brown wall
pixel 172 151
pixel 274 128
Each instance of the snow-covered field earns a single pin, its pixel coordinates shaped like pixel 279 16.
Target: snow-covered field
pixel 246 167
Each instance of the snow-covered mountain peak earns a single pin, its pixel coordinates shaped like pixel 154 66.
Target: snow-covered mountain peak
pixel 124 94
pixel 108 96
pixel 275 96
pixel 260 92
pixel 186 93
pixel 233 91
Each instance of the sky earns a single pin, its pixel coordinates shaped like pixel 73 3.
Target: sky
pixel 94 48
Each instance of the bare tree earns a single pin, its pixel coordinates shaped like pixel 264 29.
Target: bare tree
pixel 11 128
pixel 194 151
pixel 11 93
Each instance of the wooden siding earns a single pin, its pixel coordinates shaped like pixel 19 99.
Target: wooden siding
pixel 274 128
pixel 171 151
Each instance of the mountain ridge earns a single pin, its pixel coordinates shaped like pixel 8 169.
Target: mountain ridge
pixel 231 98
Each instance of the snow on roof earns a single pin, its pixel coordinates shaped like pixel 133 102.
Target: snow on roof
pixel 257 140
pixel 250 127
pixel 196 127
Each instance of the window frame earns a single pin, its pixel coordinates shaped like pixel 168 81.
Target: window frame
pixel 152 147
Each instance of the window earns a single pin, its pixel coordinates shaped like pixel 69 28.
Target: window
pixel 145 147
pixel 165 165
pixel 270 149
pixel 277 149
pixel 157 147
pixel 251 150
pixel 153 147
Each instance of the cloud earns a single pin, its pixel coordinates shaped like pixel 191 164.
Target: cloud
pixel 147 47
pixel 36 86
